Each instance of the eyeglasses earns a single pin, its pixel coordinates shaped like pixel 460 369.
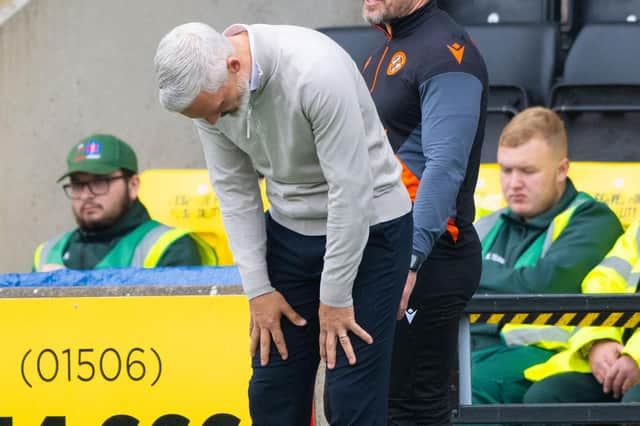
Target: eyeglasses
pixel 99 186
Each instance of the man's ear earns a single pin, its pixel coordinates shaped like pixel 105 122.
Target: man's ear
pixel 563 169
pixel 134 186
pixel 233 64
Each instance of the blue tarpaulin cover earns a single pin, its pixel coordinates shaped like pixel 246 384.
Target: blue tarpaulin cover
pixel 184 275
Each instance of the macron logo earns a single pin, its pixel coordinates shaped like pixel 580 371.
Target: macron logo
pixel 457 50
pixel 410 313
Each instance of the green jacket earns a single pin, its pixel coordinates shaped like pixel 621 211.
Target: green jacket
pixel 115 246
pixel 591 231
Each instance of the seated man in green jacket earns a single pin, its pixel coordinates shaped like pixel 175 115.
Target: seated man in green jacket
pixel 547 239
pixel 602 364
pixel 114 228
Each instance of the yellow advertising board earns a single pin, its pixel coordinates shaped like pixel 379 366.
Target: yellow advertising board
pixel 115 361
pixel 185 199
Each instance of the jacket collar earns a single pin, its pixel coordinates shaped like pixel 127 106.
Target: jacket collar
pixel 407 25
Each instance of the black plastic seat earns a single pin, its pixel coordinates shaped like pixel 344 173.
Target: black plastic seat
pixel 358 41
pixel 521 61
pixel 473 12
pixel 588 12
pixel 599 95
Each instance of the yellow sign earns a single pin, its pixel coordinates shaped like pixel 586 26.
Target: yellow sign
pixel 185 199
pixel 112 361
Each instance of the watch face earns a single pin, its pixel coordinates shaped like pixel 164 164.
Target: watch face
pixel 413 266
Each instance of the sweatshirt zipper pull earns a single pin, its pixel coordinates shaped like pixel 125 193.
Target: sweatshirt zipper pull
pixel 249 122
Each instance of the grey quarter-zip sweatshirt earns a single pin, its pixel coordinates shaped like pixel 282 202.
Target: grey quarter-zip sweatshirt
pixel 311 129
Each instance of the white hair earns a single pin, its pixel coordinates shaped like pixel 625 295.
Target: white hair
pixel 190 59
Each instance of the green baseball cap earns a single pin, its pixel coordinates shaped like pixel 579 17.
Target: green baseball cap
pixel 100 155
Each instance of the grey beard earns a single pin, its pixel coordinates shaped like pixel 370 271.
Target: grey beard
pixel 377 19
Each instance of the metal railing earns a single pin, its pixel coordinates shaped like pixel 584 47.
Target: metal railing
pixel 573 309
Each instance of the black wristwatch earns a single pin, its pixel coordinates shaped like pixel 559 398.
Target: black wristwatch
pixel 416 262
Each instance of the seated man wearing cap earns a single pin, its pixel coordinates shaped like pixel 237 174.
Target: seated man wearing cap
pixel 114 227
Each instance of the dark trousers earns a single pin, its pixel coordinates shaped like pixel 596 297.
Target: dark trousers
pixel 425 350
pixel 574 387
pixel 282 392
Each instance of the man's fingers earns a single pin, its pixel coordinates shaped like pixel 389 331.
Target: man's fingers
pixel 255 338
pixel 322 341
pixel 404 302
pixel 265 346
pixel 598 372
pixel 616 383
pixel 627 384
pixel 361 333
pixel 607 385
pixel 330 345
pixel 345 342
pixel 278 339
pixel 293 316
pixel 406 294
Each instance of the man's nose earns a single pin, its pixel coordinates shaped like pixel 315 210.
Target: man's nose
pixel 516 179
pixel 85 192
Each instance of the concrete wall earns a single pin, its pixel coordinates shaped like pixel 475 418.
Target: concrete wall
pixel 74 67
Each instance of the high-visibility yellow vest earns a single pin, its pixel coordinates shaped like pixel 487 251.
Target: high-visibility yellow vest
pixel 141 248
pixel 618 272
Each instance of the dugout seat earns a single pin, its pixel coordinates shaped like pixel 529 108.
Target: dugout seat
pixel 613 183
pixel 521 61
pixel 358 41
pixel 587 12
pixel 468 12
pixel 599 94
pixel 184 198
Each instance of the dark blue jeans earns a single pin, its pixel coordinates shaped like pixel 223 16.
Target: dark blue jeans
pixel 282 392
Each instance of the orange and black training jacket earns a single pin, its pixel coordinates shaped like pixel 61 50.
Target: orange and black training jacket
pixel 429 83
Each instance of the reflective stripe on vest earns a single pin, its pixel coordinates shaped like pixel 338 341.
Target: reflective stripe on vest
pixel 146 245
pixel 154 245
pixel 523 336
pixel 623 268
pixel 486 223
pixel 121 255
pixel 208 254
pixel 43 251
pixel 37 258
pixel 634 277
pixel 143 247
pixel 624 258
